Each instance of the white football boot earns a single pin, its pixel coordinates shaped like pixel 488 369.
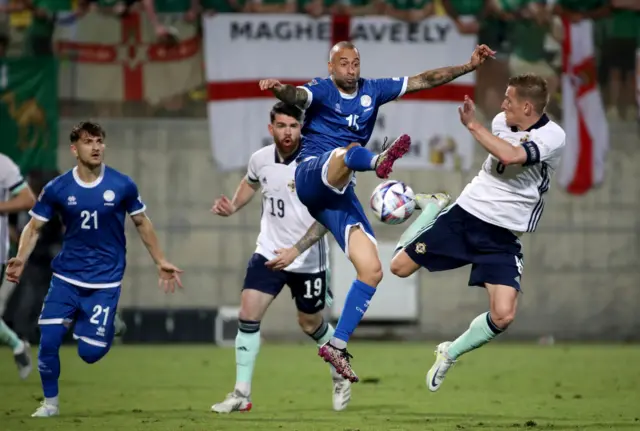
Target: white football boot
pixel 341 393
pixel 441 199
pixel 22 358
pixel 46 411
pixel 438 371
pixel 234 402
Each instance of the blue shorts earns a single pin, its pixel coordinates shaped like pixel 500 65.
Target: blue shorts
pixel 92 310
pixel 337 210
pixel 457 238
pixel 308 289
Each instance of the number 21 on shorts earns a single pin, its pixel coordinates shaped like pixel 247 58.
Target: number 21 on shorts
pixel 100 315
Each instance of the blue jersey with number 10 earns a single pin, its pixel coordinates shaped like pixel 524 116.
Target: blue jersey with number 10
pixel 333 119
pixel 94 247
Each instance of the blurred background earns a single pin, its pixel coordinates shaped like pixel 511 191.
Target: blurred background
pixel 175 84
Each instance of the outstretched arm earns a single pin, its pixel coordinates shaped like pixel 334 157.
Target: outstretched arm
pixel 287 93
pixel 436 77
pixel 285 256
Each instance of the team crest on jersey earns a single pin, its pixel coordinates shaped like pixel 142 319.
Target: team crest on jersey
pixel 71 200
pixel 365 101
pixel 292 186
pixel 524 139
pixel 421 248
pixel 109 196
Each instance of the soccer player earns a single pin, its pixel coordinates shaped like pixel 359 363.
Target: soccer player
pixel 275 263
pixel 93 200
pixel 483 227
pixel 340 115
pixel 15 196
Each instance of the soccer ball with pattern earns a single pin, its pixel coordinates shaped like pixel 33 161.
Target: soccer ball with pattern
pixel 393 202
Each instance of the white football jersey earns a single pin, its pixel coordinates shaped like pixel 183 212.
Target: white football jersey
pixel 513 196
pixel 11 182
pixel 284 218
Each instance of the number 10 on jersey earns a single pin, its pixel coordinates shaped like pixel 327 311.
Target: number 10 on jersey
pixel 352 122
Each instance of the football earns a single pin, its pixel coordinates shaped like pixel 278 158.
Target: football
pixel 393 202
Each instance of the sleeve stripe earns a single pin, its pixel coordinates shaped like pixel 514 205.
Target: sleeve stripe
pixel 405 83
pixel 19 185
pixel 37 216
pixel 141 210
pixel 309 97
pixel 252 180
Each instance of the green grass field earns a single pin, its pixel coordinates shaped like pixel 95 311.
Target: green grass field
pixel 498 387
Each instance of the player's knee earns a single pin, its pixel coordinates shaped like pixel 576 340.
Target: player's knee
pixel 402 266
pixel 51 338
pixel 371 273
pixel 309 322
pixel 502 314
pixel 91 353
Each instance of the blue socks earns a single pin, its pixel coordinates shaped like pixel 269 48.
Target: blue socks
pixel 355 306
pixel 48 358
pixel 360 159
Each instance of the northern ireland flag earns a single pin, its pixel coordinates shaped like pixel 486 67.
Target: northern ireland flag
pixel 241 49
pixel 585 122
pixel 106 58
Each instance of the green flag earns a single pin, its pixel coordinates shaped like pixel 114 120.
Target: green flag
pixel 29 112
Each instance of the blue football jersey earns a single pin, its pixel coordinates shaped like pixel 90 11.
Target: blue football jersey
pixel 93 251
pixel 333 119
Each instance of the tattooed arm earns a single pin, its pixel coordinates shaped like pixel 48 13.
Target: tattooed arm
pixel 285 256
pixel 436 77
pixel 289 94
pixel 313 235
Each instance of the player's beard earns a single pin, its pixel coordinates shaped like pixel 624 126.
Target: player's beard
pixel 288 148
pixel 345 85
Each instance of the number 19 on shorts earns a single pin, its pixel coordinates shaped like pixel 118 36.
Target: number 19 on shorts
pixel 313 288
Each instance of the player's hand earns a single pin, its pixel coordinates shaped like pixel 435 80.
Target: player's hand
pixel 223 207
pixel 269 84
pixel 480 55
pixel 14 269
pixel 467 111
pixel 169 276
pixel 284 257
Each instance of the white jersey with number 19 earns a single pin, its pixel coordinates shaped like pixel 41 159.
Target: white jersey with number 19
pixel 512 196
pixel 284 218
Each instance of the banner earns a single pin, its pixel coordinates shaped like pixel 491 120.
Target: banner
pixel 29 112
pixel 241 49
pixel 119 59
pixel 585 123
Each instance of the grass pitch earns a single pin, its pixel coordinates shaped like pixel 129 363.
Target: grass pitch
pixel 499 387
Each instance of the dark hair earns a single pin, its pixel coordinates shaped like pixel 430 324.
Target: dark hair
pixel 533 88
pixel 284 109
pixel 92 129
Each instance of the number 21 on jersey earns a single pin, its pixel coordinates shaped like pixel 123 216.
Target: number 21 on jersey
pixel 89 219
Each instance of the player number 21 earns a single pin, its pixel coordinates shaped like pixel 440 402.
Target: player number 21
pixel 313 289
pixel 97 311
pixel 87 218
pixel 352 121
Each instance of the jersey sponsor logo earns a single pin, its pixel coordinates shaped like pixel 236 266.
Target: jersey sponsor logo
pixel 71 200
pixel 421 248
pixel 365 101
